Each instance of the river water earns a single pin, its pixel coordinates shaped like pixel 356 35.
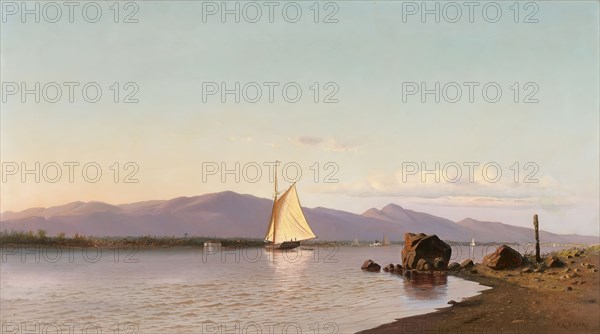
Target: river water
pixel 190 290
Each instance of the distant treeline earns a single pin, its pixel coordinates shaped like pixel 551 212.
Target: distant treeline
pixel 41 238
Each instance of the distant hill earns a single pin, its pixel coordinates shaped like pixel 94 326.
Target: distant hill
pixel 229 214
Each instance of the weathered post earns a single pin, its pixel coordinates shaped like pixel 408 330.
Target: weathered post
pixel 537 238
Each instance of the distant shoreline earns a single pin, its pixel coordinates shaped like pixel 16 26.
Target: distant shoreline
pixel 42 239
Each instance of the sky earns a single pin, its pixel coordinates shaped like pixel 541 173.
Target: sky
pixel 363 141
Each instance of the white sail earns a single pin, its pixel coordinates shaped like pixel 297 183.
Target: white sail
pixel 287 220
pixel 355 242
pixel 386 241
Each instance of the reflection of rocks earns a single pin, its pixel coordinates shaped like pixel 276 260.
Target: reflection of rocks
pixel 425 286
pixel 425 252
pixel 370 265
pixel 503 258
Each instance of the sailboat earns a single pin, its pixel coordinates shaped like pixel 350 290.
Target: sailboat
pixel 287 226
pixel 386 241
pixel 355 243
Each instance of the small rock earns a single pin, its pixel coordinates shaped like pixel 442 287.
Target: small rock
pixel 527 270
pixel 370 265
pixel 567 270
pixel 466 264
pixel 422 265
pixel 473 271
pixel 553 262
pixel 568 288
pixel 576 270
pixel 594 270
pixel 398 268
pixel 453 266
pixel 440 264
pixel 452 302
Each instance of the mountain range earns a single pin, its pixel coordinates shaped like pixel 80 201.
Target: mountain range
pixel 229 215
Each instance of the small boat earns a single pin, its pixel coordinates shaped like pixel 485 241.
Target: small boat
pixel 212 245
pixel 386 241
pixel 287 226
pixel 355 243
pixel 375 244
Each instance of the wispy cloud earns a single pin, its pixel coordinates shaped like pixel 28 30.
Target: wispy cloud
pixel 326 144
pixel 547 192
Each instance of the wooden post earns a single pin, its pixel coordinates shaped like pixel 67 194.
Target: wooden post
pixel 537 238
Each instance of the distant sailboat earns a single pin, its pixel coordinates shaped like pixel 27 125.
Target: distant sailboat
pixel 355 243
pixel 386 241
pixel 288 226
pixel 375 244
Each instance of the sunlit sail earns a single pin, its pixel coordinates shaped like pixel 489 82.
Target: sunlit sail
pixel 287 226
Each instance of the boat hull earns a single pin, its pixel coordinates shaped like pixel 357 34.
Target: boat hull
pixel 284 245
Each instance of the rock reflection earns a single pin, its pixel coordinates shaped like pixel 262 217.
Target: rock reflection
pixel 426 286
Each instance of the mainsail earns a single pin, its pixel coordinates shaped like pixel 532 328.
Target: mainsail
pixel 287 220
pixel 386 241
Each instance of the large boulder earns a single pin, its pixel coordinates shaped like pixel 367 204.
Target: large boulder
pixel 370 265
pixel 434 252
pixel 503 258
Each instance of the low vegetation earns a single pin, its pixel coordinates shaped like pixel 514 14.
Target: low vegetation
pixel 41 238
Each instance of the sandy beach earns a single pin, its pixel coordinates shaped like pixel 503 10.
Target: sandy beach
pixel 553 300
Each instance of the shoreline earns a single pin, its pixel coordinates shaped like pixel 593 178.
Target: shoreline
pixel 537 302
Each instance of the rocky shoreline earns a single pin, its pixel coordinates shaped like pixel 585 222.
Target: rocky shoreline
pixel 558 295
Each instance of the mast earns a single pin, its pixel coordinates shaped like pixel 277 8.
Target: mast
pixel 275 207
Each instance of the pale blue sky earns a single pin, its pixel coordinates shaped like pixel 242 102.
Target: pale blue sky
pixel 369 133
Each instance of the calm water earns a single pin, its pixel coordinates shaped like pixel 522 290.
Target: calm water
pixel 192 291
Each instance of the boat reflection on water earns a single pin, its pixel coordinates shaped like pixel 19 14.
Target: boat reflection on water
pixel 426 286
pixel 289 269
